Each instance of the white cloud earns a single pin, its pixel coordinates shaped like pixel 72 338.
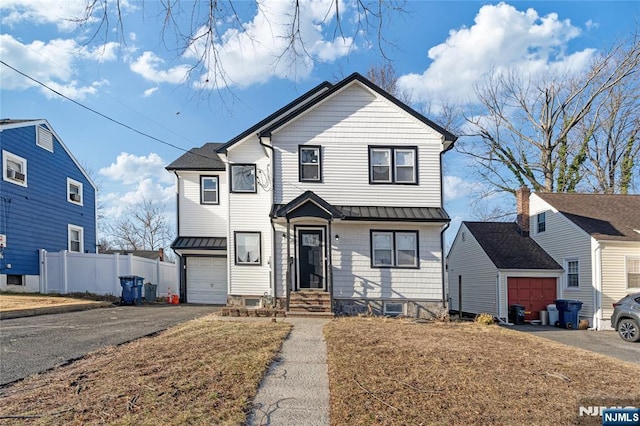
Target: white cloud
pixel 53 63
pixel 150 91
pixel 117 203
pixel 457 188
pixel 254 54
pixel 131 169
pixel 501 37
pixel 148 66
pixel 60 13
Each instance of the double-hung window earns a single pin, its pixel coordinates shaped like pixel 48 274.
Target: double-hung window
pixel 14 168
pixel 633 272
pixel 74 191
pixel 541 222
pixel 393 165
pixel 394 249
pixel 572 273
pixel 310 167
pixel 76 239
pixel 248 248
pixel 209 190
pixel 243 178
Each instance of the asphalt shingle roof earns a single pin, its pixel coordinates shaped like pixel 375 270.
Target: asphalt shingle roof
pixel 508 248
pixel 603 216
pixel 204 158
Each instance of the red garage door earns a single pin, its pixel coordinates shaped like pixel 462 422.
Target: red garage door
pixel 532 293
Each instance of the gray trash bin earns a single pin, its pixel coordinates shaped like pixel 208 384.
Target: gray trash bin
pixel 150 292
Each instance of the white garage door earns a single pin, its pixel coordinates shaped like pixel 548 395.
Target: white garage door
pixel 207 280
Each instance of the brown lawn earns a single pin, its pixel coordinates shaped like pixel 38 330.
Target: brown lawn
pixel 397 372
pixel 205 372
pixel 13 302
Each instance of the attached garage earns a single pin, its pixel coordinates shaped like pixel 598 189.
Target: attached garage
pixel 206 279
pixel 533 293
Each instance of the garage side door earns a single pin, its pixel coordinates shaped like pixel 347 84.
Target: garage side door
pixel 207 280
pixel 533 293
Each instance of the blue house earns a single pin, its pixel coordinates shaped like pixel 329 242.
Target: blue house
pixel 47 201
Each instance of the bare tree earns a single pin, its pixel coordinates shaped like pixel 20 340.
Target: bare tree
pixel 143 227
pixel 541 131
pixel 199 26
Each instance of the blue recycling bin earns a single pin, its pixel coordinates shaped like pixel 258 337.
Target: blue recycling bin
pixel 131 289
pixel 568 313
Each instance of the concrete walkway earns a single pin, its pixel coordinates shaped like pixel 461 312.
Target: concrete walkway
pixel 295 390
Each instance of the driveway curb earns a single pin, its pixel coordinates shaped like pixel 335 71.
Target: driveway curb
pixel 60 309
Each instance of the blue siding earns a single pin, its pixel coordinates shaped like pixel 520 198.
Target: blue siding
pixel 37 217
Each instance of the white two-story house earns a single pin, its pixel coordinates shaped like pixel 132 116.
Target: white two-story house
pixel 339 193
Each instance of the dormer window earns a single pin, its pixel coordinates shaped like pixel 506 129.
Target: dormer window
pixel 74 192
pixel 14 168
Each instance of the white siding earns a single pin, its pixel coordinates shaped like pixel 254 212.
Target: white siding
pixel 345 126
pixel 614 276
pixel 353 276
pixel 564 240
pixel 479 275
pixel 202 220
pixel 250 213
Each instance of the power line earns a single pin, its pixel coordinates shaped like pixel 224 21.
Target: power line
pixel 103 115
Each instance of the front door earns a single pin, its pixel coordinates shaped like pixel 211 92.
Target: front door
pixel 311 259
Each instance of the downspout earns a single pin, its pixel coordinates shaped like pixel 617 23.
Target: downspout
pixel 182 284
pixel 444 264
pixel 272 276
pixel 597 290
pixel 330 265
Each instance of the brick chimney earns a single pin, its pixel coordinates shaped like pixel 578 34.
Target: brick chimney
pixel 161 252
pixel 522 210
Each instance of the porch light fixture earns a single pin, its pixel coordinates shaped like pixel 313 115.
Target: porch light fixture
pixel 284 236
pixel 337 238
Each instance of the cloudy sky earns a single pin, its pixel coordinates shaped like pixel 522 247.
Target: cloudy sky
pixel 139 76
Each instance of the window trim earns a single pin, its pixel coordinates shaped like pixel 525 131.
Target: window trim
pixel 6 156
pixel 235 248
pixel 300 164
pixel 217 191
pixel 39 132
pixel 566 273
pixel 627 262
pixel 21 277
pixel 393 178
pixel 543 222
pixel 394 248
pixel 80 190
pixel 394 313
pixel 255 178
pixel 80 230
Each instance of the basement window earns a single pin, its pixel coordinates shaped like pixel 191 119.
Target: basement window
pixel 15 280
pixel 393 308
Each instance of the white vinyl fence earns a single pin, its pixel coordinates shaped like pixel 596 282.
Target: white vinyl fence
pixel 68 272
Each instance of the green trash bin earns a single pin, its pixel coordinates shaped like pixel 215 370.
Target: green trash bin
pixel 150 292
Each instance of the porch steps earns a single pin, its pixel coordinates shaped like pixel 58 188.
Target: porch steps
pixel 315 304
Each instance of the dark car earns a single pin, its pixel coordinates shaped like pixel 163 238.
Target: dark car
pixel 626 317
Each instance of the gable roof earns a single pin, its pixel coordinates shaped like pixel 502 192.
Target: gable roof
pixel 508 248
pixel 357 77
pixel 6 124
pixel 318 94
pixel 264 122
pixel 603 216
pixel 204 158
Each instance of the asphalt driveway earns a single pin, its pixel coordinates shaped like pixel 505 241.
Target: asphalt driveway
pixel 31 345
pixel 602 342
